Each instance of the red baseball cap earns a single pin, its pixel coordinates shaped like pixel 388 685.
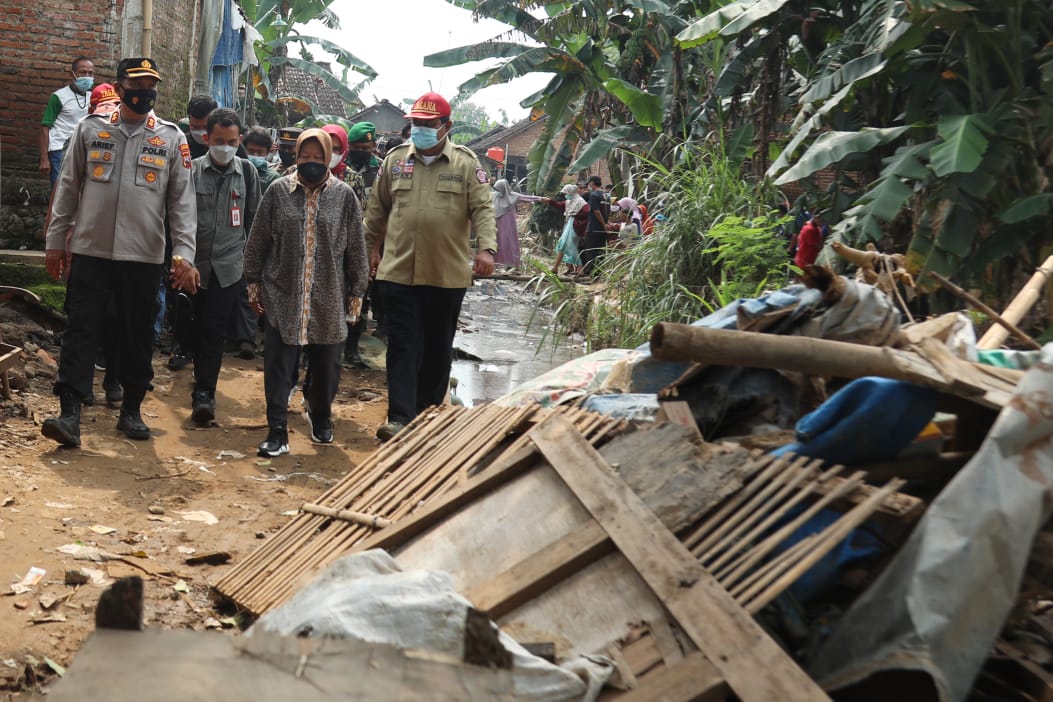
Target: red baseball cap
pixel 429 106
pixel 104 92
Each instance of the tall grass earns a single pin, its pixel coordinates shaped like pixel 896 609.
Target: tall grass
pixel 716 244
pixel 673 274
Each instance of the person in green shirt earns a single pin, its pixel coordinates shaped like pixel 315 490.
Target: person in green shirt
pixel 228 193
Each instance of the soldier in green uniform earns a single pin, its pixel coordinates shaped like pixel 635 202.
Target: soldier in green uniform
pixel 428 196
pixel 362 167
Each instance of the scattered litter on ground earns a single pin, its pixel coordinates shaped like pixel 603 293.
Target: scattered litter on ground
pixel 199 516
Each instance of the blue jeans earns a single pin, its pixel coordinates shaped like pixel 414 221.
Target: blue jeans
pixel 55 159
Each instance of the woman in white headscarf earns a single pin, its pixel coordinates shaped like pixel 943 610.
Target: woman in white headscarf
pixel 576 211
pixel 633 214
pixel 505 200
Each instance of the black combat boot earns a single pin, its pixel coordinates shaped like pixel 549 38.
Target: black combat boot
pixel 65 428
pixel 130 422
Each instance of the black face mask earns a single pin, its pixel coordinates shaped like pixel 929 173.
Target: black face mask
pixel 139 101
pixel 358 159
pixel 312 172
pixel 287 158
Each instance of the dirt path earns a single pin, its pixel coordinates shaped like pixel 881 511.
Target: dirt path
pixel 50 497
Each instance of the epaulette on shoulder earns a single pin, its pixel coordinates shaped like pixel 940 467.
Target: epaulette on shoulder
pixel 167 123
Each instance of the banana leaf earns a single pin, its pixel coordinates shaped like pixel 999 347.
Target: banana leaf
pixel 708 28
pixel 607 140
pixel 475 52
pixel 855 70
pixel 343 57
pixel 1039 205
pixel 964 143
pixel 646 107
pixel 831 147
pixel 541 59
pixel 730 78
pixel 738 148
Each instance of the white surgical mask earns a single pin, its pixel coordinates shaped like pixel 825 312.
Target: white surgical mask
pixel 335 159
pixel 222 155
pixel 198 135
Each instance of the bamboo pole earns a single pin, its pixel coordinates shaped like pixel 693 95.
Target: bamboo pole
pixel 681 342
pixel 369 520
pixel 1019 307
pixel 972 300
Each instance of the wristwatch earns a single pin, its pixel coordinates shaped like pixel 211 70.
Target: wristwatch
pixel 492 252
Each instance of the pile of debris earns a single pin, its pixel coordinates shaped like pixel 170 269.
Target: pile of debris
pixel 706 542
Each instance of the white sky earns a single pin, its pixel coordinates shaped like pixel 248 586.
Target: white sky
pixel 394 36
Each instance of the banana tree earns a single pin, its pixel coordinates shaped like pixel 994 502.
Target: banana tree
pixel 942 106
pixel 613 68
pixel 277 22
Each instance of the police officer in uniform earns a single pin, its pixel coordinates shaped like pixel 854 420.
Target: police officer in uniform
pixel 428 196
pixel 126 172
pixel 287 137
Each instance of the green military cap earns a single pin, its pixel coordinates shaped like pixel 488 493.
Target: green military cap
pixel 362 132
pixel 289 135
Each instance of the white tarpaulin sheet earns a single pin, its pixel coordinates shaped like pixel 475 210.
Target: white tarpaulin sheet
pixel 369 597
pixel 942 601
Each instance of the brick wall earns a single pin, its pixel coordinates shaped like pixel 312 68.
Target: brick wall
pixel 37 42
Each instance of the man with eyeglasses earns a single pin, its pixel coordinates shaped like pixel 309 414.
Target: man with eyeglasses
pixel 428 197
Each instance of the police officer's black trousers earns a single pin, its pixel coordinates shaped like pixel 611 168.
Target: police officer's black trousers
pixel 212 308
pixel 134 289
pixel 279 371
pixel 421 321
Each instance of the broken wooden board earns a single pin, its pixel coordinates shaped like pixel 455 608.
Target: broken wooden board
pixel 753 665
pixel 429 459
pixel 127 666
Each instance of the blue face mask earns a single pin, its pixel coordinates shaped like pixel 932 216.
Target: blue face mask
pixel 424 137
pixel 258 161
pixel 84 83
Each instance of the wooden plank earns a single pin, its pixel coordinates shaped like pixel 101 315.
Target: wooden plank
pixel 693 679
pixel 490 479
pixel 666 641
pixel 538 572
pixel 679 412
pixel 754 666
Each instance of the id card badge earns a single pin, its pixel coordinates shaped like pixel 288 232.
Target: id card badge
pixel 235 216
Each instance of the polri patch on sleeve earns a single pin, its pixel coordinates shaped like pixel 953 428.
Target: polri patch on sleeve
pixel 481 176
pixel 184 149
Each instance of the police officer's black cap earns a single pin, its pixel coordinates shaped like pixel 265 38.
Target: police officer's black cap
pixel 289 135
pixel 137 67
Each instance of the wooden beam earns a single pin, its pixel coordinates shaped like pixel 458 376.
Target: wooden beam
pixel 540 571
pixel 682 342
pixel 753 665
pixel 693 679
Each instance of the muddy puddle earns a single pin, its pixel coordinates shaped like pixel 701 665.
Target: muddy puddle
pixel 496 351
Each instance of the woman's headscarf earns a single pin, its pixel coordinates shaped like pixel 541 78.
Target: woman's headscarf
pixel 322 138
pixel 574 200
pixel 504 197
pixel 339 136
pixel 627 204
